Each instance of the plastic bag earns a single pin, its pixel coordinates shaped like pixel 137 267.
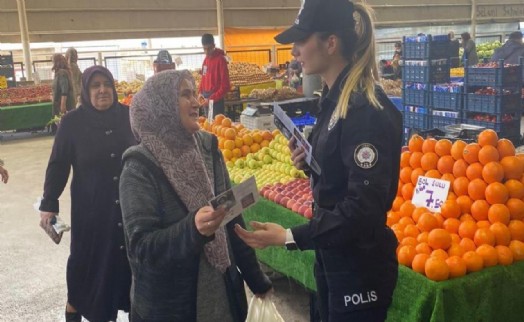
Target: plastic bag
pixel 262 310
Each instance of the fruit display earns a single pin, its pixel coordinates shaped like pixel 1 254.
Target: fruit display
pixel 198 78
pixel 490 117
pixel 126 88
pixel 273 94
pixel 241 73
pixel 486 50
pixel 295 195
pixel 481 222
pixel 392 87
pixel 25 95
pixel 492 91
pixel 456 72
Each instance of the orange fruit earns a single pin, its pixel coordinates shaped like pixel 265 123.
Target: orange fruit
pixel 392 218
pixel 496 192
pixel 266 135
pixel 513 167
pixel 467 245
pixel 229 144
pixel 483 224
pixel 407 191
pixel 405 174
pixel 464 203
pixel 476 189
pixel 443 147
pixel 498 213
pixel 487 154
pixel 230 134
pixel 484 236
pixel 423 248
pixel 450 209
pixel 460 186
pixel 488 137
pixel 418 212
pixel 411 231
pixel 457 266
pixel 451 225
pixel 452 196
pixel 404 159
pixel 399 188
pixel 254 147
pixel 429 145
pixel 275 132
pixel 440 253
pixel 228 154
pixel 429 161
pixel 516 208
pixel 422 237
pixel 448 177
pixel 404 221
pixel 248 139
pixel 493 172
pixel 406 209
pixel 419 263
pixel 397 202
pixel 414 160
pixel 445 164
pixel 457 148
pixel 517 248
pixel 516 228
pixel 239 142
pixel 515 188
pixel 398 233
pixel 455 250
pixel 459 168
pixel 439 239
pixel 237 153
pixel 219 118
pixel 245 150
pixel 489 255
pixel 433 173
pixel 436 269
pixel 505 148
pixel 471 153
pixel 504 254
pixel 466 217
pixel 455 239
pixel 502 234
pixel 440 219
pixel 257 137
pixel 474 262
pixel 406 254
pixel 474 171
pixel 427 222
pixel 415 174
pixel 467 229
pixel 264 143
pixel 415 143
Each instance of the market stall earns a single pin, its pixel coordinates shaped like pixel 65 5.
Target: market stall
pixel 488 295
pixel 22 117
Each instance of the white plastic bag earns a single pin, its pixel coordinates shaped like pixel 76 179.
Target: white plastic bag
pixel 262 310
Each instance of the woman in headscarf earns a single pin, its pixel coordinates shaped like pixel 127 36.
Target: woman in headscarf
pixel 184 262
pixel 71 56
pixel 91 140
pixel 63 92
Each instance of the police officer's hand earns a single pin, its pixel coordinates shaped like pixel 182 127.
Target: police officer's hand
pixel 264 234
pixel 208 220
pixel 298 155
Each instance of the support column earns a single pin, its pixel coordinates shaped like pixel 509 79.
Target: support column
pixel 220 23
pixel 473 19
pixel 24 34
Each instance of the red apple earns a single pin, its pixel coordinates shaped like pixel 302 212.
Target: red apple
pixel 272 195
pixel 267 193
pixel 296 207
pixel 302 209
pixel 290 204
pixel 308 213
pixel 283 201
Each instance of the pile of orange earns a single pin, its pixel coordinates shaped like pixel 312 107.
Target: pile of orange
pixel 234 140
pixel 481 222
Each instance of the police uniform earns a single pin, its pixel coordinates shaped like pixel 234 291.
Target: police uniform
pixel 356 267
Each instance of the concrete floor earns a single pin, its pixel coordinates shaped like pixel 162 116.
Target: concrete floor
pixel 32 267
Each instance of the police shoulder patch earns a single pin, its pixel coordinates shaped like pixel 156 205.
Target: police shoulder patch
pixel 366 155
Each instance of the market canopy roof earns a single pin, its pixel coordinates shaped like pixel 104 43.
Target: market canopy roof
pixel 72 20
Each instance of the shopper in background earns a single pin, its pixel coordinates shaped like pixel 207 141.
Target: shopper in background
pixel 470 50
pixel 71 56
pixel 454 48
pixel 163 62
pixel 215 76
pixel 63 92
pixel 395 61
pixel 185 264
pixel 4 175
pixel 356 141
pixel 91 139
pixel 511 51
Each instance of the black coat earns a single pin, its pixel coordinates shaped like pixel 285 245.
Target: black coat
pixel 92 142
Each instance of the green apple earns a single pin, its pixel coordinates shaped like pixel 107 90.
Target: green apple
pixel 267 159
pixel 239 163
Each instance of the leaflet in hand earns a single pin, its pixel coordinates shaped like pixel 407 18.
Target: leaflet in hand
pixel 237 199
pixel 289 130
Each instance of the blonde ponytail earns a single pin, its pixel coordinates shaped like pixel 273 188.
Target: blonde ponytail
pixel 364 70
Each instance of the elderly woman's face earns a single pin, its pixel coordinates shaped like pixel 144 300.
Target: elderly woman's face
pixel 101 92
pixel 188 106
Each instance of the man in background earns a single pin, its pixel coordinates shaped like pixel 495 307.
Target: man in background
pixel 511 50
pixel 163 61
pixel 215 76
pixel 454 48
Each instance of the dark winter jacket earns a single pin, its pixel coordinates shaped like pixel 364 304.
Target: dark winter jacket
pixel 164 245
pixel 510 52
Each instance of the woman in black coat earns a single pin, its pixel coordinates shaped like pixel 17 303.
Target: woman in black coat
pixel 91 139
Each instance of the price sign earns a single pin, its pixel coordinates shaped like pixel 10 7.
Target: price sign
pixel 210 112
pixel 430 193
pixel 3 82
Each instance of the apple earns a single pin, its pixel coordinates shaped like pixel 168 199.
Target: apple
pixel 308 213
pixel 302 209
pixel 278 198
pixel 283 202
pixel 296 207
pixel 290 203
pixel 272 195
pixel 267 193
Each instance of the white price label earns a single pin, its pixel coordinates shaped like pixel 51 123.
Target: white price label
pixel 430 193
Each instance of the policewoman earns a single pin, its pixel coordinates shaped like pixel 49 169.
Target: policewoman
pixel 357 142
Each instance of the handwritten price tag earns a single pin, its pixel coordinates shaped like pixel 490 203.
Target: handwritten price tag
pixel 430 193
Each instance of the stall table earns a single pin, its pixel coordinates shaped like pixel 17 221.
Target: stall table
pixel 29 116
pixel 493 294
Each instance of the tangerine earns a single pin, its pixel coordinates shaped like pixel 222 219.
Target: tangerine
pixel 498 213
pixel 445 164
pixel 433 173
pixel 226 122
pixel 440 253
pixel 455 250
pixel 436 269
pixel 459 168
pixel 457 266
pixel 476 189
pixel 429 145
pixel 405 174
pixel 415 143
pixel 504 255
pixel 513 167
pixel 496 192
pixel 487 154
pixel 415 174
pixel 484 236
pixel 502 234
pixel 397 202
pixel 474 171
pixel 517 248
pixel 467 245
pixel 423 248
pixel 427 222
pixel 418 212
pixel 411 231
pixel 488 137
pixel 516 208
pixel 451 225
pixel 443 147
pixel 474 262
pixel 493 172
pixel 515 188
pixel 404 159
pixel 489 255
pixel 464 203
pixel 406 254
pixel 407 191
pixel 450 209
pixel 419 262
pixel 439 239
pixel 414 160
pixel 460 186
pixel 516 228
pixel 392 218
pixel 505 148
pixel 457 149
pixel 423 237
pixel 471 153
pixel 406 209
pixel 467 229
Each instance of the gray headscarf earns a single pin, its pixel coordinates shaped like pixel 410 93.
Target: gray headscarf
pixel 155 121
